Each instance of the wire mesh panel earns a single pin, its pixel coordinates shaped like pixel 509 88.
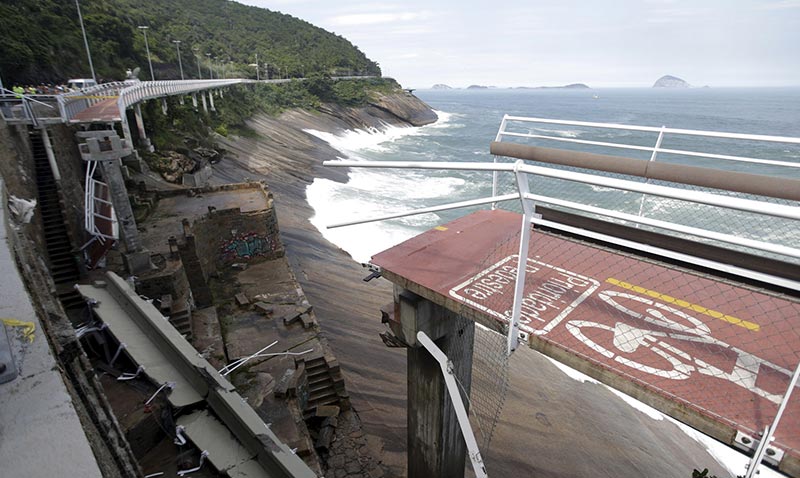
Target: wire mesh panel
pixel 487 393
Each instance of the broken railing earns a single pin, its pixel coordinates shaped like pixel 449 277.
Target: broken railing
pixel 768 204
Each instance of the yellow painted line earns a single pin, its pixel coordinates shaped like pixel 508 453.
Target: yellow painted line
pixel 28 328
pixel 440 228
pixel 686 305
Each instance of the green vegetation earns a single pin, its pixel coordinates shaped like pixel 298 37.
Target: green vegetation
pixel 240 103
pixel 42 42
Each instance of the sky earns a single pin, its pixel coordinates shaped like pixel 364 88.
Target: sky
pixel 603 43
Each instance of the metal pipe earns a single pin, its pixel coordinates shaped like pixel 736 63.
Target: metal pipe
pixel 425 210
pixel 652 129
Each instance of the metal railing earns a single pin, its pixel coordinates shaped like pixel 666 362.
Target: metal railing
pixel 656 149
pixel 72 103
pixel 98 203
pixel 18 108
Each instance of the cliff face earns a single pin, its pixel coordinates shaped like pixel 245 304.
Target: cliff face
pixel 399 109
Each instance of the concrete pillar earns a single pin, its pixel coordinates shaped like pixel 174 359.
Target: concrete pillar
pixel 144 141
pixel 137 112
pixel 211 100
pixel 194 100
pixel 122 206
pixel 205 105
pixel 435 444
pixel 164 108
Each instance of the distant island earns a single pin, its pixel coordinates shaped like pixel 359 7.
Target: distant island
pixel 571 86
pixel 669 81
pixel 441 86
pixel 477 87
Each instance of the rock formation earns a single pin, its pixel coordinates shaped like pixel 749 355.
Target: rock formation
pixel 669 81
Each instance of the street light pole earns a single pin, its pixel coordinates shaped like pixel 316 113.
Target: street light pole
pixel 258 74
pixel 180 63
pixel 210 73
pixel 197 57
pixel 147 47
pixel 85 41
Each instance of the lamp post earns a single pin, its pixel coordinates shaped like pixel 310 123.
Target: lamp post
pixel 180 63
pixel 197 57
pixel 147 48
pixel 85 41
pixel 258 74
pixel 210 73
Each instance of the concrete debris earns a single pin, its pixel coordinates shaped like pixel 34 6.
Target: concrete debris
pixel 327 411
pixel 22 209
pixel 242 299
pixel 265 308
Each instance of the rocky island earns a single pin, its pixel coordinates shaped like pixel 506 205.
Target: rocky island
pixel 669 81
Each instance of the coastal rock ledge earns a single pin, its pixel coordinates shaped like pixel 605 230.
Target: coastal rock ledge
pixel 669 81
pixel 405 106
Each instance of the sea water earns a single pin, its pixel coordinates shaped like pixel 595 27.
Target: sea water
pixel 469 121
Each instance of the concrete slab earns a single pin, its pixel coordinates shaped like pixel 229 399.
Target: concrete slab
pixel 224 450
pixel 140 347
pixel 165 221
pixel 41 432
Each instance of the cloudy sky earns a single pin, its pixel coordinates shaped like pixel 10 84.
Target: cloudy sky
pixel 553 42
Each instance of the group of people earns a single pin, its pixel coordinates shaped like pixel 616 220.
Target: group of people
pixel 43 89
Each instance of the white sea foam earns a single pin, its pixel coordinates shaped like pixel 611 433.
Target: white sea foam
pixel 372 192
pixel 373 139
pixel 564 133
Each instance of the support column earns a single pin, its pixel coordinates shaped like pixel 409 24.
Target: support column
pixel 194 100
pixel 435 443
pixel 211 100
pixel 205 105
pixel 164 108
pixel 143 139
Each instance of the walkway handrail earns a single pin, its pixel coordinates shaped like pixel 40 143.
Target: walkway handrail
pixel 72 103
pixel 656 149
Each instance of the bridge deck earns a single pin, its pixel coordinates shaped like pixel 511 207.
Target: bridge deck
pixel 714 354
pixel 105 111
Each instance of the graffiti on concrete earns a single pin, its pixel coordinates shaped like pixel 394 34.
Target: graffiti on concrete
pixel 247 246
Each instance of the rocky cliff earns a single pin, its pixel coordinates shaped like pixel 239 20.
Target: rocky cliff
pixel 406 107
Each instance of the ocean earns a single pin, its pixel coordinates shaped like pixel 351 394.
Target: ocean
pixel 469 121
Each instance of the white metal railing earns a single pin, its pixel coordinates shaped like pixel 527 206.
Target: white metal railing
pixel 72 103
pixel 655 150
pixel 95 200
